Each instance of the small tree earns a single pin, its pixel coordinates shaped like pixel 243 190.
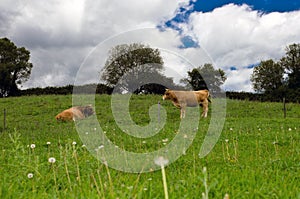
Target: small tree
pixel 268 77
pixel 205 77
pixel 15 67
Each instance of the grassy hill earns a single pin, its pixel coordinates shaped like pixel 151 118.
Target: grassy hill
pixel 256 156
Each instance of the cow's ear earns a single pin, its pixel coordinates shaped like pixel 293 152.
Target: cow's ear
pixel 167 89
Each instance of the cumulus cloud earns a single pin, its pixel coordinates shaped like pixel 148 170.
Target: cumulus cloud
pixel 236 35
pixel 63 36
pixel 60 34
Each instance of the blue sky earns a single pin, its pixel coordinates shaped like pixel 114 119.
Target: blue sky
pixel 265 5
pixel 235 35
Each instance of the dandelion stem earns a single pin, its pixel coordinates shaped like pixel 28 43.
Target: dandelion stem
pixel 77 167
pixel 164 181
pixel 97 187
pixel 54 177
pixel 109 178
pixel 205 195
pixel 67 171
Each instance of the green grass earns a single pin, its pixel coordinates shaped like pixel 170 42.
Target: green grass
pixel 256 156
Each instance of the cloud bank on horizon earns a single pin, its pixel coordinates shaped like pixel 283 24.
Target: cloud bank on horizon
pixel 236 35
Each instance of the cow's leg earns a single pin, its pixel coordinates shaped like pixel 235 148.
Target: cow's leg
pixel 182 112
pixel 205 108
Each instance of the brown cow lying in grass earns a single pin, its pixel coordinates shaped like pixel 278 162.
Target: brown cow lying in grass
pixel 75 113
pixel 182 99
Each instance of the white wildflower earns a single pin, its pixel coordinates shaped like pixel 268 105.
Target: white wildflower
pixel 30 175
pixel 161 161
pixel 52 160
pixel 165 140
pixel 32 146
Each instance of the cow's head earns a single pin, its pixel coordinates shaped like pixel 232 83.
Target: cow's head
pixel 167 95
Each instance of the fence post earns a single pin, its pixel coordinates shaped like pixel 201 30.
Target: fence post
pixel 284 108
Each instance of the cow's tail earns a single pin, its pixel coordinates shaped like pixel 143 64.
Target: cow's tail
pixel 208 97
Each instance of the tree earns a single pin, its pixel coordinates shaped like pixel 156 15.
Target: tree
pixel 129 65
pixel 15 67
pixel 205 77
pixel 267 76
pixel 291 62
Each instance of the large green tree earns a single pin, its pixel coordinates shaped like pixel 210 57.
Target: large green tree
pixel 205 77
pixel 129 65
pixel 15 67
pixel 268 76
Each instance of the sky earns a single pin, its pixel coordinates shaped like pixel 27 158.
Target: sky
pixel 69 40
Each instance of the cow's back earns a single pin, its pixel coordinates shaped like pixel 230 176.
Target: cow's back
pixel 186 97
pixel 202 95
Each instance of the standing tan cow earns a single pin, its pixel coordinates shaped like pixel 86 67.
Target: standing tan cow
pixel 182 99
pixel 75 113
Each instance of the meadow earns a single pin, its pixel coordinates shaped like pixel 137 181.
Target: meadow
pixel 256 156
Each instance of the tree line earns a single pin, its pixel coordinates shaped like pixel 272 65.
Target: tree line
pixel 279 79
pixel 138 68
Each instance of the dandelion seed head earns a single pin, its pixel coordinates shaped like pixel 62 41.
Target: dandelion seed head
pixel 32 146
pixel 52 160
pixel 161 161
pixel 30 175
pixel 48 143
pixel 74 143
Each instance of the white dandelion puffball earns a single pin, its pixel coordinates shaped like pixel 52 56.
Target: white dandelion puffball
pixel 52 160
pixel 161 161
pixel 30 175
pixel 48 143
pixel 74 143
pixel 32 146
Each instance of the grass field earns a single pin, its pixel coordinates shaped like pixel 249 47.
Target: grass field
pixel 256 156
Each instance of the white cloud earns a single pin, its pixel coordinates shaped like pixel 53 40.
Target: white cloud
pixel 239 36
pixel 61 34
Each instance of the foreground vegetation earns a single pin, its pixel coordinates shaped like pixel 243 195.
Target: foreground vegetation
pixel 257 155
